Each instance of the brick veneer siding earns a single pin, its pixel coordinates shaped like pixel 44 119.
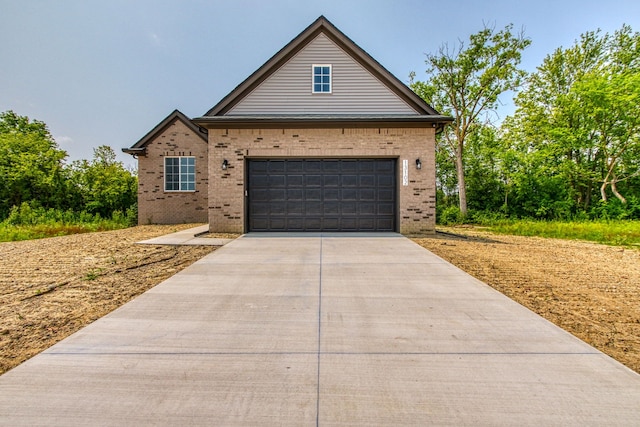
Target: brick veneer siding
pixel 156 206
pixel 416 201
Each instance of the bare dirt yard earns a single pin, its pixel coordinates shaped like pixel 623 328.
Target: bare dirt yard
pixel 50 288
pixel 588 289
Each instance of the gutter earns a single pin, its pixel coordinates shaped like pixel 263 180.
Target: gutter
pixel 322 121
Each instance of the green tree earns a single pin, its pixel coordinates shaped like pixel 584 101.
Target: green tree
pixel 484 170
pixel 104 185
pixel 578 118
pixel 466 82
pixel 31 164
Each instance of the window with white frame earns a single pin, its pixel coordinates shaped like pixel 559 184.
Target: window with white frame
pixel 179 174
pixel 321 78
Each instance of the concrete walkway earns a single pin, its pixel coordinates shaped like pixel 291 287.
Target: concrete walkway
pixel 189 237
pixel 304 330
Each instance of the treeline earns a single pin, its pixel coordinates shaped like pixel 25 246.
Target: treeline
pixel 571 149
pixel 37 184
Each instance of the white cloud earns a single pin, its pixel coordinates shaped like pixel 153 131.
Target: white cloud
pixel 63 140
pixel 155 39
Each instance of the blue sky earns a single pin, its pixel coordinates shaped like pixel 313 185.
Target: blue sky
pixel 106 72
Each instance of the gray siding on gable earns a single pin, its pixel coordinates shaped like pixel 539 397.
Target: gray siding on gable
pixel 288 90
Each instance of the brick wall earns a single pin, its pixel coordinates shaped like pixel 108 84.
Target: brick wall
pixel 416 200
pixel 155 206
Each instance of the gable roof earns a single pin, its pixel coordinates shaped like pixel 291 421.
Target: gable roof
pixel 139 148
pixel 217 114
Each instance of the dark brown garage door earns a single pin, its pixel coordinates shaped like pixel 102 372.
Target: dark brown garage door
pixel 322 195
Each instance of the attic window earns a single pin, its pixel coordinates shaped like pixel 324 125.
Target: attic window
pixel 321 78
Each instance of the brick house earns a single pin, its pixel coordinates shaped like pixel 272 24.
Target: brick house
pixel 320 138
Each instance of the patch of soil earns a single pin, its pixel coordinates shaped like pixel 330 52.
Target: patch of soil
pixel 590 290
pixel 50 288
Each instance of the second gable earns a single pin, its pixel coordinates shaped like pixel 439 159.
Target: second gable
pixel 354 90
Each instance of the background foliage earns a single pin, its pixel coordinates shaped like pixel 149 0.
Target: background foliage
pixel 571 149
pixel 39 188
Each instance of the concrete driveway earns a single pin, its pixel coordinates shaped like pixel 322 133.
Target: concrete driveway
pixel 303 330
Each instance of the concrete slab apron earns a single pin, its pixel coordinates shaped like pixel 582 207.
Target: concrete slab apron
pixel 321 330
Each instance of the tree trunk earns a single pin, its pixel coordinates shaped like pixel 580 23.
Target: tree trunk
pixel 603 193
pixel 462 187
pixel 614 189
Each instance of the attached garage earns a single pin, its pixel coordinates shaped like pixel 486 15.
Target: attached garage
pixel 322 137
pixel 321 195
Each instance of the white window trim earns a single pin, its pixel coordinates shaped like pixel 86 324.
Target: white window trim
pixel 164 183
pixel 330 79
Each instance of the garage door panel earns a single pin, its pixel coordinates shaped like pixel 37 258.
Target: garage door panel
pixel 295 181
pixel 367 194
pixel 367 180
pixel 349 208
pixel 259 223
pixel 385 167
pixel 294 166
pixel 349 166
pixel 331 194
pixel 295 224
pixel 366 166
pixel 313 194
pixel 314 209
pixel 331 181
pixel 313 181
pixel 331 167
pixel 386 181
pixel 386 209
pixel 331 224
pixel 260 181
pixel 276 167
pixel 259 195
pixel 278 209
pixel 384 224
pixel 277 223
pixel 295 194
pixel 367 208
pixel 277 194
pixel 277 181
pixel 367 224
pixel 295 208
pixel 322 195
pixel 260 209
pixel 348 223
pixel 313 224
pixel 349 194
pixel 331 208
pixel 386 195
pixel 313 166
pixel 349 181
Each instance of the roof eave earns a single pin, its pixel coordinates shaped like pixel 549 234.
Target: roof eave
pixel 245 122
pixel 135 151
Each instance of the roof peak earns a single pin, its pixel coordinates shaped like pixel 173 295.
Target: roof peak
pixel 321 25
pixel 139 147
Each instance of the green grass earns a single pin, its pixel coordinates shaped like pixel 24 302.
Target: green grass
pixel 617 233
pixel 12 233
pixel 26 222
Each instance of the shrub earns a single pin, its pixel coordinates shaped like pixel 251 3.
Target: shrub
pixel 450 216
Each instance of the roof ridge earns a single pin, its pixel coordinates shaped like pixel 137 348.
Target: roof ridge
pixel 321 25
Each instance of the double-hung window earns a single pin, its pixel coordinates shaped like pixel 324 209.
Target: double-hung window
pixel 321 78
pixel 179 174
